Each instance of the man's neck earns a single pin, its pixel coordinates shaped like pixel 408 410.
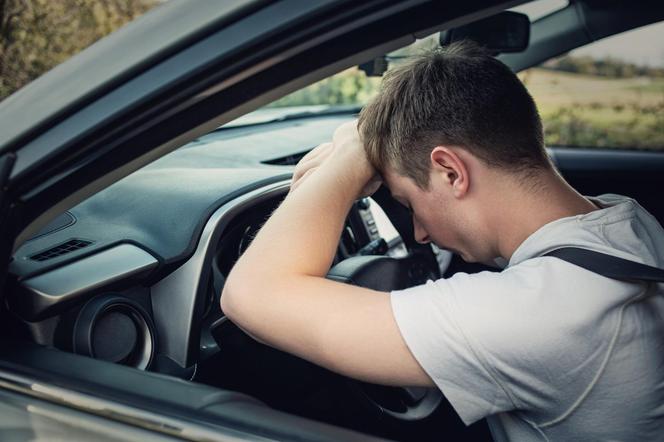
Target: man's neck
pixel 525 210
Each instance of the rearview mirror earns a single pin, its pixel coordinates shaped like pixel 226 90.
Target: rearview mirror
pixel 375 68
pixel 507 31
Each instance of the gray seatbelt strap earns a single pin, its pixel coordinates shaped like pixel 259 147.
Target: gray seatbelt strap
pixel 607 265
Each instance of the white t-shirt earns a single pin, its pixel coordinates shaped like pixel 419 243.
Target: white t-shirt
pixel 545 349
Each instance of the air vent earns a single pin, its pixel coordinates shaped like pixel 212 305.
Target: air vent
pixel 62 249
pixel 288 160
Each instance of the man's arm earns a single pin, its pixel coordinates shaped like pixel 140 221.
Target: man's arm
pixel 278 293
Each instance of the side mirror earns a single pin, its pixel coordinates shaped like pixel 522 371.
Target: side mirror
pixel 507 31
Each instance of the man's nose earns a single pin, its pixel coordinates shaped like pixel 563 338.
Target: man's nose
pixel 421 235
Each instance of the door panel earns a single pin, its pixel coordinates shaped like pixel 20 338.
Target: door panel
pixel 108 393
pixel 636 174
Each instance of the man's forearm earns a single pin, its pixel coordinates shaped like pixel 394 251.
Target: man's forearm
pixel 277 287
pixel 301 237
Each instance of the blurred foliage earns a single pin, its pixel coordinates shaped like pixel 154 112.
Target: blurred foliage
pixel 351 86
pixel 620 126
pixel 603 67
pixel 578 109
pixel 593 110
pixel 583 101
pixel 37 35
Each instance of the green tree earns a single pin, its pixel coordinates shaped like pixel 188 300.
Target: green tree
pixel 37 35
pixel 348 87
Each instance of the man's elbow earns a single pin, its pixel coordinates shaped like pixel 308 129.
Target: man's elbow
pixel 238 305
pixel 235 297
pixel 226 303
pixel 244 293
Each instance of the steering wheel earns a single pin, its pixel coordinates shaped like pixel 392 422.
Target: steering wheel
pixel 385 273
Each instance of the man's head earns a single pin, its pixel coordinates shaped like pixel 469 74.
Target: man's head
pixel 455 96
pixel 445 114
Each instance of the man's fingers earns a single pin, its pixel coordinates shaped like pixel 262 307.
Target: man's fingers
pixel 295 183
pixel 314 156
pixel 346 131
pixel 302 169
pixel 316 151
pixel 311 160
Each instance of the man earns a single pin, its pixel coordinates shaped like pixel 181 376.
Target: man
pixel 545 349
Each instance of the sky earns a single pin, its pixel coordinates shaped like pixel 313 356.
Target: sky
pixel 642 46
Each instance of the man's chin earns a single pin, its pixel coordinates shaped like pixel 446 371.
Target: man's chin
pixel 474 259
pixel 470 259
pixel 466 257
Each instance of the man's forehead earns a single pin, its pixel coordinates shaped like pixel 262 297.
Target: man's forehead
pixel 395 183
pixel 389 184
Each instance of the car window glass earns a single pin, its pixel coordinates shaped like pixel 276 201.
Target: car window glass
pixel 349 87
pixel 609 94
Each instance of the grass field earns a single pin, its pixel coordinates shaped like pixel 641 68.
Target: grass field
pixel 583 110
pixel 576 109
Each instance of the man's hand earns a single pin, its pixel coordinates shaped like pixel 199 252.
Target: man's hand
pixel 345 153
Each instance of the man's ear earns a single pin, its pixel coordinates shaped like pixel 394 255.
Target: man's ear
pixel 452 168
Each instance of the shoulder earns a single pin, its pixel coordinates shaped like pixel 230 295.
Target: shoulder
pixel 531 301
pixel 525 283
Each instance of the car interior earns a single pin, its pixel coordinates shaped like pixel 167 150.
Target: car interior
pixel 117 297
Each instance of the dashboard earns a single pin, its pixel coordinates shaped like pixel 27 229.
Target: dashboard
pixel 133 275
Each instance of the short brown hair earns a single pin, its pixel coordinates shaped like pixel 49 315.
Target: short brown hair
pixel 458 95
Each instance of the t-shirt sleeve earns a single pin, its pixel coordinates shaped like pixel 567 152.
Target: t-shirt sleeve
pixel 434 321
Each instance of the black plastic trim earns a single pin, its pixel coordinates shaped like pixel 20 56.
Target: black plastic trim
pixel 96 307
pixel 160 403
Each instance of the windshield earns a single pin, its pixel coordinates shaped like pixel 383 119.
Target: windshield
pixel 354 87
pixel 608 94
